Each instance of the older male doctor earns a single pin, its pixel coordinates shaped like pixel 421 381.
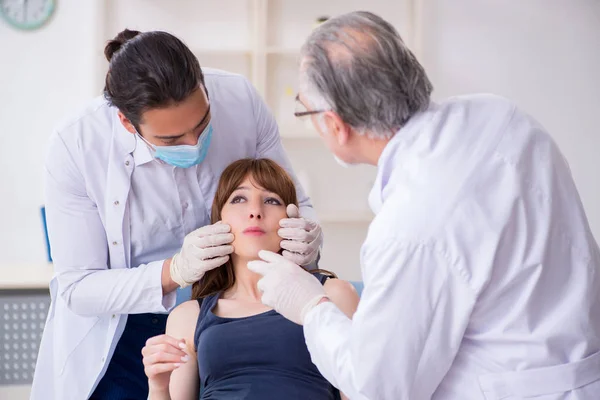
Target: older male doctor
pixel 482 278
pixel 130 183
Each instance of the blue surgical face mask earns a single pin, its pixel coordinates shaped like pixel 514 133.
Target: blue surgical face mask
pixel 185 156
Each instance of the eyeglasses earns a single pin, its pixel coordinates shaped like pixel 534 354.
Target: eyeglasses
pixel 307 112
pixel 302 111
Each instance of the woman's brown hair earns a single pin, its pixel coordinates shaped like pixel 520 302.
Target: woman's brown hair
pixel 264 173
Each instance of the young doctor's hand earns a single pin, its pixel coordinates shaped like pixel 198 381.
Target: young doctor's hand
pixel 203 249
pixel 302 237
pixel 288 288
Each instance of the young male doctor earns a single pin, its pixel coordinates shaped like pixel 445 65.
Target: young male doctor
pixel 130 183
pixel 482 278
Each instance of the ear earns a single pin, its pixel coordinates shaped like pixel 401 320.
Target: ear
pixel 337 127
pixel 126 123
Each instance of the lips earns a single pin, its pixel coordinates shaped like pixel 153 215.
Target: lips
pixel 254 231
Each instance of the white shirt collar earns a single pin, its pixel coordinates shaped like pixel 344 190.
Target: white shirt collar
pixel 141 153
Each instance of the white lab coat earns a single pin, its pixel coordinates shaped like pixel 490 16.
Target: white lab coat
pixel 482 278
pixel 88 171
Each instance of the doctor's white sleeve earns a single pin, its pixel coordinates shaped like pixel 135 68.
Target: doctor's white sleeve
pixel 79 246
pixel 269 146
pixel 406 331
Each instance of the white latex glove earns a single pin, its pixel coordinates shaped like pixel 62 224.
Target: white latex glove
pixel 203 249
pixel 302 237
pixel 286 286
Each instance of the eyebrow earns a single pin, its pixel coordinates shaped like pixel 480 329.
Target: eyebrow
pixel 193 129
pixel 262 190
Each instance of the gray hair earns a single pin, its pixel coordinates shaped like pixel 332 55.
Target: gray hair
pixel 357 65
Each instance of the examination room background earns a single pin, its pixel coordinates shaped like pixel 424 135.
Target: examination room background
pixel 543 54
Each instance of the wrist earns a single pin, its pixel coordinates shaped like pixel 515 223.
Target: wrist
pixel 158 392
pixel 311 305
pixel 168 284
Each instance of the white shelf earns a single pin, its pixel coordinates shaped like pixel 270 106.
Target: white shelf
pixel 342 217
pixel 19 276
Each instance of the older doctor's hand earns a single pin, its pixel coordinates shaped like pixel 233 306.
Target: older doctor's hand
pixel 302 237
pixel 203 249
pixel 287 287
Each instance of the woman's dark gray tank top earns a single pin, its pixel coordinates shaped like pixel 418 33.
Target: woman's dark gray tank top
pixel 259 357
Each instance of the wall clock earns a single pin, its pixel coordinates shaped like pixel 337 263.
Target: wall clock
pixel 27 14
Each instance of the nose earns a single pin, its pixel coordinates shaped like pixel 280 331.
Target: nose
pixel 256 211
pixel 255 214
pixel 190 140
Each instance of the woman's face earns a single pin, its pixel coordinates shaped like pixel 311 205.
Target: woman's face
pixel 253 214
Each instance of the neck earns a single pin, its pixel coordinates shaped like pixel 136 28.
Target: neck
pixel 370 149
pixel 245 287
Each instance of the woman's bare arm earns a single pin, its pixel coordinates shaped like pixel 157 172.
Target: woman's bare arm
pixel 172 377
pixel 181 324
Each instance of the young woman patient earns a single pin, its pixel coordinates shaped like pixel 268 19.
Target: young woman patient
pixel 225 341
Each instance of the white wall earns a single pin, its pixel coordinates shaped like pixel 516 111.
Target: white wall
pixel 544 54
pixel 43 75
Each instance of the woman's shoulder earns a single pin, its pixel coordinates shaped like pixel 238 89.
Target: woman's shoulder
pixel 186 308
pixel 342 294
pixel 182 320
pixel 340 287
